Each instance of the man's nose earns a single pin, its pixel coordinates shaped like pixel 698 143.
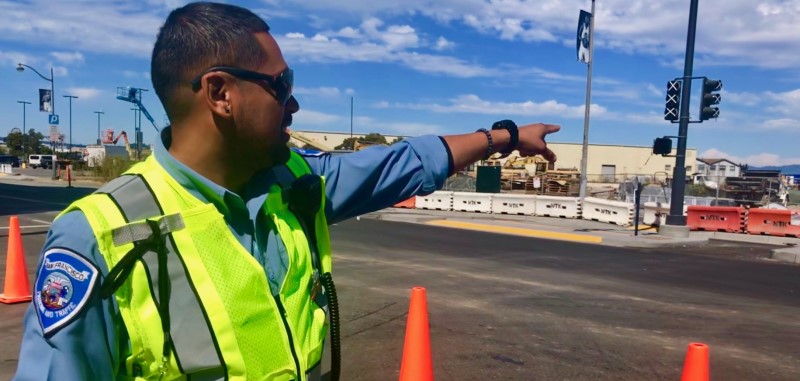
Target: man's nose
pixel 292 105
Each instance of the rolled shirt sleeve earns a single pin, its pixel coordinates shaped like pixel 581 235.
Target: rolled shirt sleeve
pixel 86 347
pixel 378 177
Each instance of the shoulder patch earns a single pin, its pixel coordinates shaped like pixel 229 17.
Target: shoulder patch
pixel 309 152
pixel 65 283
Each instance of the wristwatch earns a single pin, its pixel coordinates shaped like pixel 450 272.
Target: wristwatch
pixel 512 129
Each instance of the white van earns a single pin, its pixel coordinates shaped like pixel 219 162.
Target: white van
pixel 41 161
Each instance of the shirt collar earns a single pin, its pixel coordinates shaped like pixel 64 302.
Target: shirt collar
pixel 199 186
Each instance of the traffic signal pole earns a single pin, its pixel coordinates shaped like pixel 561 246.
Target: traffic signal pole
pixel 676 217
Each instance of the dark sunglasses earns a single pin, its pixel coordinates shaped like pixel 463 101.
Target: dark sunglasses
pixel 280 85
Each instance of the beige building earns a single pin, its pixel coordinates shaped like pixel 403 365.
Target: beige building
pixel 605 162
pixel 327 141
pixel 620 161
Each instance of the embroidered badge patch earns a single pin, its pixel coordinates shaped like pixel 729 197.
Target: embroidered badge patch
pixel 65 283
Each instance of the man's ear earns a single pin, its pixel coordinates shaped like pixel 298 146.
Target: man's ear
pixel 217 93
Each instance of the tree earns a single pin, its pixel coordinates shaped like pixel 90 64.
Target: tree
pixel 372 137
pixel 397 140
pixel 33 143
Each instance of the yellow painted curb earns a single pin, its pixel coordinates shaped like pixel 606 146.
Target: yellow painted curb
pixel 518 231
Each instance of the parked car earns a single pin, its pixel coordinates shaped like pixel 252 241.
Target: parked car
pixel 38 161
pixel 10 159
pixel 46 162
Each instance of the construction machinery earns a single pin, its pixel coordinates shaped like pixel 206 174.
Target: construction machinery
pixel 309 142
pixel 134 95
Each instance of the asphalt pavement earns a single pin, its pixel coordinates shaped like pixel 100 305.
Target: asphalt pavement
pixel 520 308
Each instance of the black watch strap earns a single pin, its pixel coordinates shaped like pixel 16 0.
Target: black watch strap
pixel 512 129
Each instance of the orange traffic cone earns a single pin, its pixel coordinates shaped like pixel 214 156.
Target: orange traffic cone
pixel 417 364
pixel 695 368
pixel 17 288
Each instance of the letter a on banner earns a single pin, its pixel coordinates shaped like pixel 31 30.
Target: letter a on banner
pixel 584 35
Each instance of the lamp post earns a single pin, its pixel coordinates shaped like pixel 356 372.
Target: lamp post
pixel 351 123
pixel 21 67
pixel 98 125
pixel 71 97
pixel 24 138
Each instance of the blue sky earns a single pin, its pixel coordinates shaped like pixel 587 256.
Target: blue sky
pixel 443 67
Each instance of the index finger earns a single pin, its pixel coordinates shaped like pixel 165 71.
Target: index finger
pixel 551 128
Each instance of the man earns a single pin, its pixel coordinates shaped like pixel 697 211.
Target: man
pixel 211 259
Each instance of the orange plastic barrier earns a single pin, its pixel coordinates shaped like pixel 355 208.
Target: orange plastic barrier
pixel 695 367
pixel 417 364
pixel 411 203
pixel 17 287
pixel 716 218
pixel 771 222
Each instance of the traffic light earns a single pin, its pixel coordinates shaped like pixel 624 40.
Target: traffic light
pixel 710 98
pixel 662 146
pixel 673 102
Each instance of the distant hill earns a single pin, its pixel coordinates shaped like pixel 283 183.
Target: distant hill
pixel 785 169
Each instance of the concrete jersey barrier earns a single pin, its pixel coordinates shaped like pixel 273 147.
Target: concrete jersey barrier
pixel 615 212
pixel 438 200
pixel 552 206
pixel 519 204
pixel 472 202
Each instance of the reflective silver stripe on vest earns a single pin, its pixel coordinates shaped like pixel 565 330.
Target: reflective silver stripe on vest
pixel 140 231
pixel 190 331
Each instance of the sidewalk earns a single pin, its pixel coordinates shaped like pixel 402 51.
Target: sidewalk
pixel 581 231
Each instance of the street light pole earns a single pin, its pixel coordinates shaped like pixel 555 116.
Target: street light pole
pixel 71 97
pixel 351 123
pixel 24 138
pixel 98 125
pixel 21 67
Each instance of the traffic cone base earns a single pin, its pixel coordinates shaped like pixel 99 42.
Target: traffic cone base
pixel 17 288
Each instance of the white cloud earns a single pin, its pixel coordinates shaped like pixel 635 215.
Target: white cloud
pixel 444 44
pixel 758 160
pixel 68 57
pixel 60 71
pixel 787 103
pixel 84 93
pixel 743 32
pixel 742 98
pixel 782 124
pixel 106 27
pixel 470 103
pixel 135 74
pixel 297 47
pixel 317 91
pixel 306 117
pixel 13 58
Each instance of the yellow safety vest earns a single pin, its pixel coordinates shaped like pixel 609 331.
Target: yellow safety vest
pixel 223 321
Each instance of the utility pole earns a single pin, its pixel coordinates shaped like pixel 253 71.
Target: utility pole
pixel 351 124
pixel 24 136
pixel 98 126
pixel 71 97
pixel 585 150
pixel 676 221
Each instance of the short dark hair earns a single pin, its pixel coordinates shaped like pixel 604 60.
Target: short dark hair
pixel 201 35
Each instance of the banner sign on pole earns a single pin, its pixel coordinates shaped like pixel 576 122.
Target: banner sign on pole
pixel 45 100
pixel 584 34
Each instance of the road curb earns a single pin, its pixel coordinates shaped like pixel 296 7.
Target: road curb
pixel 791 255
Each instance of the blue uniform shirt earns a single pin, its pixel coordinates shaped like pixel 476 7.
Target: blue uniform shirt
pixel 91 345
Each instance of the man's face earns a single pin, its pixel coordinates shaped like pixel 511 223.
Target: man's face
pixel 261 119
